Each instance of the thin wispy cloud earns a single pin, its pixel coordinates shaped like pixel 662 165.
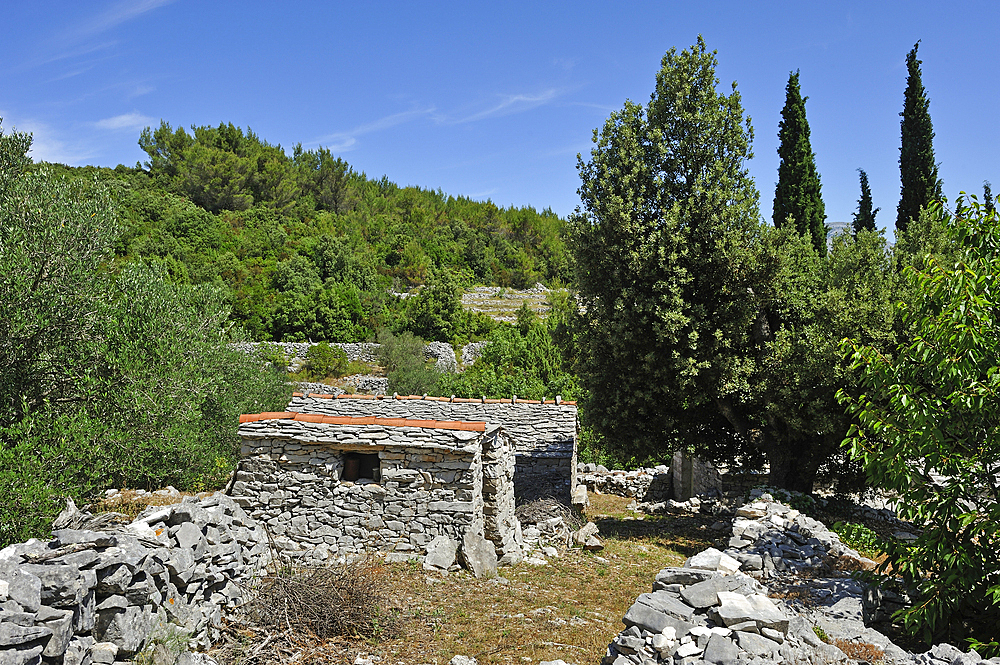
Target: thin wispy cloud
pixel 344 141
pixel 120 12
pixel 76 40
pixel 141 90
pixel 510 104
pixel 134 120
pixel 46 146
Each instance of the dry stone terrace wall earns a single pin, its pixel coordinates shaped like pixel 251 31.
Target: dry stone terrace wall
pixel 297 352
pixel 430 479
pixel 97 596
pixel 544 435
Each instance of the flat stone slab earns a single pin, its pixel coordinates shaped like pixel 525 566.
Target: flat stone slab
pixel 666 603
pixel 646 618
pixel 757 645
pixel 683 576
pixel 441 552
pixel 706 594
pixel 721 651
pixel 713 559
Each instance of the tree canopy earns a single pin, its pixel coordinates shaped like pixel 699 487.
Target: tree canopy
pixel 306 247
pixel 110 375
pixel 702 328
pixel 927 430
pixel 864 218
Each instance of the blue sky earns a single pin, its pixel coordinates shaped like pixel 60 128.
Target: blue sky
pixel 495 100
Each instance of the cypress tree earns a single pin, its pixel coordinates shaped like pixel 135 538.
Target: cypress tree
pixel 864 218
pixel 797 194
pixel 917 170
pixel 989 203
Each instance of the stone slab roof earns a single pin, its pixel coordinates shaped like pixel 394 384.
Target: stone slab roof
pixel 312 428
pixel 536 429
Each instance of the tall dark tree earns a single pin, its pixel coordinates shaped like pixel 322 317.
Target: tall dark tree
pixel 702 328
pixel 917 169
pixel 797 195
pixel 989 203
pixel 864 218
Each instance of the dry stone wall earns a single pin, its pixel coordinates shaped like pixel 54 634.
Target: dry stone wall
pixel 297 352
pixel 97 596
pixel 428 482
pixel 645 484
pixel 544 436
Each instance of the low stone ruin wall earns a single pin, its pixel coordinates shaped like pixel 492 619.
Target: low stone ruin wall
pixel 297 352
pixel 431 482
pixel 361 351
pixel 719 607
pixel 645 484
pixel 97 596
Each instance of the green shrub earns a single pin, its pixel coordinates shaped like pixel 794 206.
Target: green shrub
pixel 859 537
pixel 324 360
pixel 926 430
pixel 402 357
pixel 107 378
pixel 273 355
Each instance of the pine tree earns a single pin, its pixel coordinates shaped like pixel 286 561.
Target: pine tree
pixel 864 218
pixel 989 203
pixel 917 170
pixel 797 194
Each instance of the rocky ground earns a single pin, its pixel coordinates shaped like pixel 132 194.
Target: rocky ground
pixel 765 585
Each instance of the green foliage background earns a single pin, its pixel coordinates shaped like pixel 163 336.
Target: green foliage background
pixel 306 247
pixel 111 375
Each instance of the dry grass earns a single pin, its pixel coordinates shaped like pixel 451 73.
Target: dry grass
pixel 131 503
pixel 860 651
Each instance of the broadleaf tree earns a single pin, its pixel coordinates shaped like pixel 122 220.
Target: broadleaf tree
pixel 928 431
pixel 917 170
pixel 700 327
pixel 797 195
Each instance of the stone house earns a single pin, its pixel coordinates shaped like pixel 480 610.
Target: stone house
pixel 544 433
pixel 336 484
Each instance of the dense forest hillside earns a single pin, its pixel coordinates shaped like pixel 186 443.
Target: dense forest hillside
pixel 306 246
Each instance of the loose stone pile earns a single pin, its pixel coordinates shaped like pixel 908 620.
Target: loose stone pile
pixel 97 596
pixel 716 610
pixel 443 355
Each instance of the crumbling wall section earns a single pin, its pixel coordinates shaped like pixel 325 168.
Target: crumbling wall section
pixel 98 596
